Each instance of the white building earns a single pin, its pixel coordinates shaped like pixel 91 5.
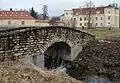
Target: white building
pixel 105 16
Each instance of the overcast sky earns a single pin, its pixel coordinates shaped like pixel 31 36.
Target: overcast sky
pixel 56 7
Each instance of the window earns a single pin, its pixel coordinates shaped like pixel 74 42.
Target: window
pixel 84 24
pixel 96 24
pixel 108 22
pixel 9 22
pixel 108 17
pixel 80 24
pixel 109 12
pixel 66 13
pixel 101 18
pixel 85 19
pixel 80 19
pixel 22 22
pixel 101 24
pixel 76 13
pixel 74 19
pixel 96 18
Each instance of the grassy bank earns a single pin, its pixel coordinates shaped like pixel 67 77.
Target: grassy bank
pixel 26 72
pixel 104 32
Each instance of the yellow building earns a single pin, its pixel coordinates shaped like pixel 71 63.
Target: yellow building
pixel 16 18
pixel 21 19
pixel 107 16
pixel 111 17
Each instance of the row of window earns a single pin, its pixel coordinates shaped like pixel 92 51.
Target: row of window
pixel 85 24
pixel 101 24
pixel 81 24
pixel 22 23
pixel 96 24
pixel 96 12
pixel 95 18
pixel 81 19
pixel 102 18
pixel 84 19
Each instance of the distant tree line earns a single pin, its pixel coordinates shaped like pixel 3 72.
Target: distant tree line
pixel 44 15
pixel 54 20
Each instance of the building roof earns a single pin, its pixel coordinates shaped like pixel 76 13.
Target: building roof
pixel 111 6
pixel 15 15
pixel 68 9
pixel 85 10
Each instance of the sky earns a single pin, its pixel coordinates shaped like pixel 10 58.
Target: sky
pixel 55 7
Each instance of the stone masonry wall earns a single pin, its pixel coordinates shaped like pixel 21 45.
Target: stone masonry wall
pixel 18 43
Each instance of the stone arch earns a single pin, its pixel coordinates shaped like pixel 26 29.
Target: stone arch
pixel 53 40
pixel 75 49
pixel 56 54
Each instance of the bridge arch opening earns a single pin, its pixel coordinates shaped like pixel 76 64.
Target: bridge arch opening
pixel 55 55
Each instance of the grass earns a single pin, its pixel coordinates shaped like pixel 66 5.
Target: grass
pixel 104 32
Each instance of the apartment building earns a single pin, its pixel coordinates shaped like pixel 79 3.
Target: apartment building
pixel 105 16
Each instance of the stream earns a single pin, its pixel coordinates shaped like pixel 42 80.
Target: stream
pixel 96 79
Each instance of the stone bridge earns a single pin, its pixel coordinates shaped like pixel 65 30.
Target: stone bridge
pixel 32 42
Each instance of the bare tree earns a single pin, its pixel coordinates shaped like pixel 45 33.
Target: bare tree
pixel 73 23
pixel 45 12
pixel 89 13
pixel 54 21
